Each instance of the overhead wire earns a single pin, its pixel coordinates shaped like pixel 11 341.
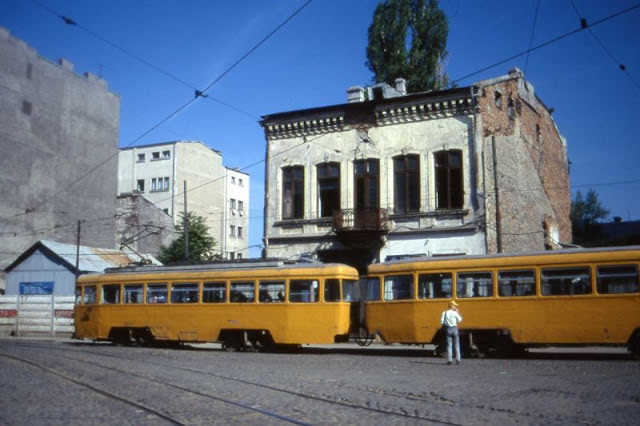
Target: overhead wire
pixel 533 32
pixel 620 65
pixel 544 44
pixel 168 117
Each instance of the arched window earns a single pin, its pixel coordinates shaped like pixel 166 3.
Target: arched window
pixel 293 192
pixel 406 183
pixel 448 175
pixel 328 188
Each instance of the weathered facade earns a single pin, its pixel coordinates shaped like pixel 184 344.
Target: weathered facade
pixel 472 170
pixel 59 140
pixel 214 192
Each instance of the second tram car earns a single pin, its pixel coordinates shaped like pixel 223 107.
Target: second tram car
pixel 509 302
pixel 250 306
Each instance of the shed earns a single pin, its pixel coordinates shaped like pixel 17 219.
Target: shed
pixel 49 267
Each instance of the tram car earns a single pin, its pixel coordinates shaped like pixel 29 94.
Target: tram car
pixel 574 297
pixel 243 306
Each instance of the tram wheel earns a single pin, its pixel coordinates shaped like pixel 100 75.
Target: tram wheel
pixel 363 337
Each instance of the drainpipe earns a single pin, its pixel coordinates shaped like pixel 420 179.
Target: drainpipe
pixel 497 194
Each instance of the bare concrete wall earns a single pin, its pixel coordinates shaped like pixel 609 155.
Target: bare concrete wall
pixel 59 139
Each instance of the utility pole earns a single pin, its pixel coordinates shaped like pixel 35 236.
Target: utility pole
pixel 78 250
pixel 186 225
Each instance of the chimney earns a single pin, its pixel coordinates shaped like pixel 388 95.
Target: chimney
pixel 401 85
pixel 355 94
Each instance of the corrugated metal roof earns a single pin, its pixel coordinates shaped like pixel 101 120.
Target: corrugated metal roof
pixel 93 259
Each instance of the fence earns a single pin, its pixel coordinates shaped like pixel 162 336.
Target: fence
pixel 36 315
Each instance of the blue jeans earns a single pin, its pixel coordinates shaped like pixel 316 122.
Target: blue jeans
pixel 453 339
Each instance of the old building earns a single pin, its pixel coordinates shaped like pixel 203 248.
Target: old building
pixel 470 170
pixel 59 142
pixel 219 194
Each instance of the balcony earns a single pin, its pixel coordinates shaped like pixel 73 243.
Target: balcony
pixel 361 228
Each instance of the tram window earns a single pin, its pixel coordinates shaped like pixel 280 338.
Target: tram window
pixel 214 293
pixel 242 292
pixel 566 281
pixel 434 286
pixel 332 290
pixel 184 293
pixel 133 293
pixel 157 293
pixel 474 284
pixel 303 291
pixel 271 291
pixel 111 293
pixel 398 287
pixel 78 295
pixel 617 279
pixel 89 294
pixel 516 283
pixel 351 290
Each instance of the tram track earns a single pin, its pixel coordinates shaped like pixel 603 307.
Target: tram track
pixel 336 392
pixel 328 397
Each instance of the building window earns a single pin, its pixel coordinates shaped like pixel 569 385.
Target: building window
pixel 406 183
pixel 239 231
pixel 166 154
pixel 497 97
pixel 448 176
pixel 366 183
pixel 239 256
pixel 29 70
pixel 328 188
pixel 240 207
pixel 140 185
pixel 232 205
pixel 166 184
pixel 140 158
pixel 293 192
pixel 232 231
pixel 26 107
pixel 155 155
pixel 240 182
pixel 233 180
pixel 154 184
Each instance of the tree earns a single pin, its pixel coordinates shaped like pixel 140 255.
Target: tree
pixel 408 39
pixel 201 243
pixel 586 211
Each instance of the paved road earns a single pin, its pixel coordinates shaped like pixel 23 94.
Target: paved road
pixel 55 382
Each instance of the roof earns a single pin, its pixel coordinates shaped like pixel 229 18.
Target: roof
pixel 90 259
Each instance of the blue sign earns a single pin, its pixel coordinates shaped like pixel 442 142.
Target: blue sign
pixel 36 288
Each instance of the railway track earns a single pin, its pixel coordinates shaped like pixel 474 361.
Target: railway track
pixel 72 367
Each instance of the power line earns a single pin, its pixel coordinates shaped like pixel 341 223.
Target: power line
pixel 546 43
pixel 171 115
pixel 620 65
pixel 197 93
pixel 533 32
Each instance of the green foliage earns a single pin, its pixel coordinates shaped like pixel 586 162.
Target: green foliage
pixel 587 210
pixel 408 39
pixel 201 243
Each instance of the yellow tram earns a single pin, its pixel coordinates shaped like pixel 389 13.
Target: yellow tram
pixel 243 306
pixel 509 302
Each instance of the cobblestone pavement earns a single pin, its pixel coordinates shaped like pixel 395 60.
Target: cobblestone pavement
pixel 54 382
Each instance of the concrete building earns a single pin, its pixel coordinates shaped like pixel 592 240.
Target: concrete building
pixel 59 140
pixel 218 194
pixel 471 170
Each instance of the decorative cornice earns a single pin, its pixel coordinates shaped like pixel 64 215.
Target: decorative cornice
pixel 299 128
pixel 403 109
pixel 420 111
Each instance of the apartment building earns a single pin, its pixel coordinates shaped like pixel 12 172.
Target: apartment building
pixel 470 170
pixel 171 174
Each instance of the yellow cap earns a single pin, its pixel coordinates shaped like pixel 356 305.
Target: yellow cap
pixel 452 303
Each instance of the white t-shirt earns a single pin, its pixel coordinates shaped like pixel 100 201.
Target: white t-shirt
pixel 450 318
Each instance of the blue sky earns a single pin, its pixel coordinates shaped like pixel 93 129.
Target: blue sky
pixel 314 57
